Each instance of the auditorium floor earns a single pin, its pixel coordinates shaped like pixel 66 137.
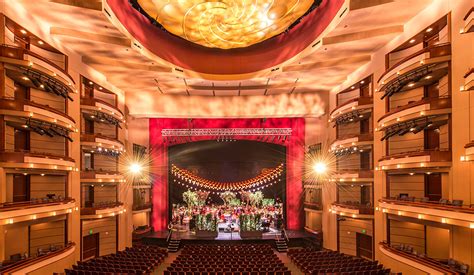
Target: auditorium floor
pixel 172 256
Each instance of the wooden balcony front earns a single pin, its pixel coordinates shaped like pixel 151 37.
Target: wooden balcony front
pixel 357 104
pixel 35 160
pixel 98 142
pixel 429 210
pixel 28 109
pixel 94 104
pixel 469 21
pixel 98 176
pixel 353 175
pixel 28 59
pixel 316 206
pixel 102 210
pixel 468 81
pixel 13 212
pixel 421 159
pixel 426 107
pixel 426 57
pixel 424 264
pixel 144 207
pixel 357 140
pixel 356 211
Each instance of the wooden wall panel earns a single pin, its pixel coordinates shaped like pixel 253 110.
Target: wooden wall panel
pixel 107 233
pixel 348 230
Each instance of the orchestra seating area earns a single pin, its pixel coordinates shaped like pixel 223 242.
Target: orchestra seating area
pixel 142 259
pixel 311 261
pixel 226 259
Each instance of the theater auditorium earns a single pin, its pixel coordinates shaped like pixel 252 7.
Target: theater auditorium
pixel 236 137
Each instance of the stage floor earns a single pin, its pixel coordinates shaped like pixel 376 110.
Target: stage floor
pixel 292 234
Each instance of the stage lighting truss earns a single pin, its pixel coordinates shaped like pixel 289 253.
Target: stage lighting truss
pixel 346 151
pixel 412 126
pixel 104 118
pixel 400 82
pixel 351 117
pixel 45 128
pixel 193 181
pixel 226 134
pixel 47 83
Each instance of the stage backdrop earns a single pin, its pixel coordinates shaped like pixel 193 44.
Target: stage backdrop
pixel 294 161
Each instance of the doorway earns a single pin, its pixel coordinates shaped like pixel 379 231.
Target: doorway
pixel 21 188
pixel 433 187
pixel 364 246
pixel 90 246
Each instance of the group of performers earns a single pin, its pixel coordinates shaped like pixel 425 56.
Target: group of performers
pixel 228 216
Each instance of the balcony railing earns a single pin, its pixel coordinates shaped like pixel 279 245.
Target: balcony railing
pixel 433 52
pixel 313 205
pixel 142 206
pixel 92 138
pixel 12 104
pixel 33 263
pixel 357 172
pixel 364 209
pixel 359 101
pixel 32 158
pixel 90 101
pixel 15 52
pixel 100 206
pixel 14 206
pixel 426 264
pixel 438 103
pixel 421 202
pixel 434 155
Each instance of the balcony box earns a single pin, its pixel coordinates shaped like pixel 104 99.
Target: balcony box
pixel 416 160
pixel 35 160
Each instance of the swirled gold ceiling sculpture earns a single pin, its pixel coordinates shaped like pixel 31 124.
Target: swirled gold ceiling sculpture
pixel 226 24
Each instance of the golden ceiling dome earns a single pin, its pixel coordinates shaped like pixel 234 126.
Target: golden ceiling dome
pixel 225 24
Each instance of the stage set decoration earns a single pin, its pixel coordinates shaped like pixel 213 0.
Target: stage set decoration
pixel 266 197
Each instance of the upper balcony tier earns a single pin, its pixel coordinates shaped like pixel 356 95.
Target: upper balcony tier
pixel 145 207
pixel 356 211
pixel 469 21
pixel 429 210
pixel 92 105
pixel 98 143
pixel 13 212
pixel 353 175
pixel 353 142
pixel 29 265
pixel 424 108
pixel 22 110
pixel 428 64
pixel 424 264
pixel 101 177
pixel 35 160
pixel 102 210
pixel 312 206
pixel 426 159
pixel 469 81
pixel 29 60
pixel 360 105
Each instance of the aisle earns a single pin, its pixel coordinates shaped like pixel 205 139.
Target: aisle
pixel 168 260
pixel 291 267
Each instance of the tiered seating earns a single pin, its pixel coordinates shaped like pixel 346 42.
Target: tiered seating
pixel 248 259
pixel 137 260
pixel 311 261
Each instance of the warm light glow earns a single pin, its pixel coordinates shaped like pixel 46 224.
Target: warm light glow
pixel 226 24
pixel 320 167
pixel 135 168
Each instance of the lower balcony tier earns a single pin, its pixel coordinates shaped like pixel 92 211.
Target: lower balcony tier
pixel 312 206
pixel 423 159
pixel 97 143
pixel 102 210
pixel 28 265
pixel 145 207
pixel 442 212
pixel 353 175
pixel 35 160
pixel 424 264
pixel 353 142
pixel 356 211
pixel 13 212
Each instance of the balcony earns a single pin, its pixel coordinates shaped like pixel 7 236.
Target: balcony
pixel 458 215
pixel 98 176
pixel 13 212
pixel 144 207
pixel 30 110
pixel 424 264
pixel 353 210
pixel 359 142
pixel 102 210
pixel 416 160
pixel 360 105
pixel 26 266
pixel 97 143
pixel 35 160
pixel 469 21
pixel 425 108
pixel 28 60
pixel 353 175
pixel 97 105
pixel 430 60
pixel 312 206
pixel 468 81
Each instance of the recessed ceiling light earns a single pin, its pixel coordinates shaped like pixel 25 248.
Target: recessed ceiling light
pixel 100 88
pixel 40 42
pixel 411 84
pixel 412 41
pixel 23 31
pixel 25 78
pixel 362 82
pixel 91 83
pixel 352 87
pixel 428 77
pixel 429 29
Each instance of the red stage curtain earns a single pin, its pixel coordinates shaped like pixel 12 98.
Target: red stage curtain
pixel 294 161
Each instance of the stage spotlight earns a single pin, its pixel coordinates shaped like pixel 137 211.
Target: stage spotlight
pixel 320 168
pixel 135 168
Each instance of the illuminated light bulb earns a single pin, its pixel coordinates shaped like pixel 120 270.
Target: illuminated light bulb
pixel 377 208
pixel 412 41
pixel 10 221
pixel 443 220
pixel 384 210
pixel 33 217
pixel 463 158
pixel 420 216
pixel 100 216
pixel 320 167
pixel 354 215
pixel 471 225
pixel 53 213
pixel 399 213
